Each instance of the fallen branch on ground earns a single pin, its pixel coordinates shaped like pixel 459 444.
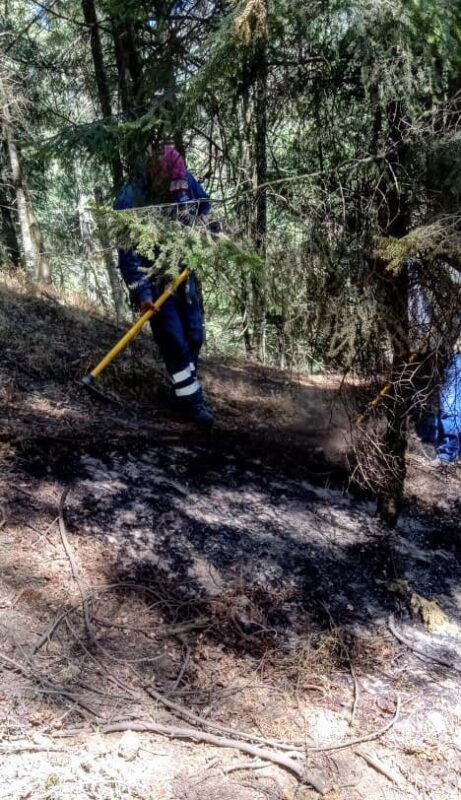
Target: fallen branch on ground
pixel 110 677
pixel 379 766
pixel 73 564
pixel 184 713
pixel 370 737
pixel 8 749
pixel 356 697
pixel 280 759
pixel 244 765
pixel 183 669
pixel 46 687
pixel 161 630
pixel 401 638
pixel 52 628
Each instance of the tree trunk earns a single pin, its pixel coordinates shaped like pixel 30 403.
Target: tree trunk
pixel 89 231
pixel 33 256
pixel 391 492
pixel 253 158
pixel 9 245
pixel 128 66
pixel 130 83
pixel 260 190
pixel 34 259
pixel 90 16
pixel 113 273
pixel 395 221
pixel 164 80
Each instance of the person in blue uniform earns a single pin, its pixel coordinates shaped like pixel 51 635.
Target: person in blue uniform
pixel 442 427
pixel 447 422
pixel 178 326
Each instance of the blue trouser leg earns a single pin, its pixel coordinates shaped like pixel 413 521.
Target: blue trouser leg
pixel 449 420
pixel 192 317
pixel 179 349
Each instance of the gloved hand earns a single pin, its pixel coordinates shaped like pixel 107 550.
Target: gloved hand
pixel 146 305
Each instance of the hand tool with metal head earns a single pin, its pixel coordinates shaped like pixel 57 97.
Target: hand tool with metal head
pixel 128 337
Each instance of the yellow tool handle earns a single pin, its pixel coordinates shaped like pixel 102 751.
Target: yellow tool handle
pixel 134 330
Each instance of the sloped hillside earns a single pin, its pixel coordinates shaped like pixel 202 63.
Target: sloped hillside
pixel 190 615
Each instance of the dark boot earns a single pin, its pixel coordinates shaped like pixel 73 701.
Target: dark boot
pixel 196 410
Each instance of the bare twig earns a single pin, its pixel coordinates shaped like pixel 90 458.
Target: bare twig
pixel 379 766
pixel 52 627
pixel 160 630
pixel 61 691
pixel 370 737
pixel 356 696
pixel 244 765
pixel 184 713
pixel 184 666
pixel 46 687
pixel 15 665
pixel 110 677
pixel 280 759
pixel 7 749
pixel 73 564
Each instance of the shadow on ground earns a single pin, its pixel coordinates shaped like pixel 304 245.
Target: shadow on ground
pixel 247 537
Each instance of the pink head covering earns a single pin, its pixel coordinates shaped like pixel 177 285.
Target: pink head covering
pixel 170 169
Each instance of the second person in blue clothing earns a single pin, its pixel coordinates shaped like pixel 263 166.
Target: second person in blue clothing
pixel 178 325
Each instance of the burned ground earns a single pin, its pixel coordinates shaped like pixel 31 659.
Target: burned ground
pixel 214 582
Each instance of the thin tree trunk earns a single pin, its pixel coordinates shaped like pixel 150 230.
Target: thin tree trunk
pixel 260 190
pixel 128 66
pixel 396 299
pixel 87 236
pixel 35 262
pixel 390 496
pixel 254 161
pixel 122 66
pixel 130 82
pixel 9 245
pixel 90 16
pixel 165 78
pixel 113 273
pixel 33 257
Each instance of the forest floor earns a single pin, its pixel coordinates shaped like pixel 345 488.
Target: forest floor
pixel 193 616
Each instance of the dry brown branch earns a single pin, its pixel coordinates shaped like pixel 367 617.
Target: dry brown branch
pixel 401 638
pixel 8 749
pixel 46 687
pixel 356 696
pixel 370 737
pixel 110 677
pixel 379 766
pixel 51 629
pixel 184 713
pixel 183 669
pixel 280 759
pixel 251 22
pixel 73 564
pixel 244 765
pixel 161 630
pixel 15 665
pixel 61 691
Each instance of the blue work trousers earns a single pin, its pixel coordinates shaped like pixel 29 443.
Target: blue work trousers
pixel 444 429
pixel 449 417
pixel 178 332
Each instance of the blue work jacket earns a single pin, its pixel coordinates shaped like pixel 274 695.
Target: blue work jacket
pixel 136 194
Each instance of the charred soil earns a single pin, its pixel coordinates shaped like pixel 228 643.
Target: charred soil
pixel 211 585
